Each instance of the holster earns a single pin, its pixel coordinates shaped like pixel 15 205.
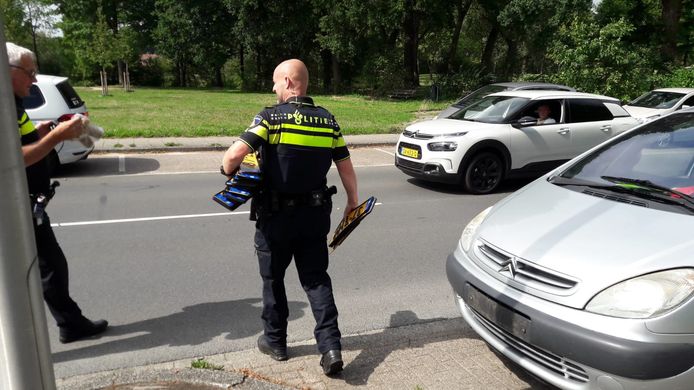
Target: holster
pixel 268 202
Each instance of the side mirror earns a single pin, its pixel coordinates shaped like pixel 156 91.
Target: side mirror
pixel 524 122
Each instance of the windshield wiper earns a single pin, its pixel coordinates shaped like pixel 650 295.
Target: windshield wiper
pixel 654 190
pixel 636 187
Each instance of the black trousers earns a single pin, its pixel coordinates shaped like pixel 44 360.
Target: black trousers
pixel 300 233
pixel 54 276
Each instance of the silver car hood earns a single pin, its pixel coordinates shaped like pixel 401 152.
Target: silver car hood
pixel 644 112
pixel 595 241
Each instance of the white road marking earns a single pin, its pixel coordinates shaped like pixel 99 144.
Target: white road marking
pixel 168 217
pixel 385 151
pixel 163 218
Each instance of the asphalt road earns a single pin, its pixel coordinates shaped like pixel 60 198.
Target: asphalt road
pixel 176 275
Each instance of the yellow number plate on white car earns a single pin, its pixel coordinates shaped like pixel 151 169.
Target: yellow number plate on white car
pixel 413 153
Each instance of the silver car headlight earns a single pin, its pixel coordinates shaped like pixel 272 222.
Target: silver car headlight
pixel 645 296
pixel 445 146
pixel 471 228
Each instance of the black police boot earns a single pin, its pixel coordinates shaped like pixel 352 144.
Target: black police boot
pixel 277 353
pixel 83 329
pixel 331 362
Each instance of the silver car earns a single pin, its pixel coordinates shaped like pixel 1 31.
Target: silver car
pixel 489 89
pixel 585 277
pixel 660 102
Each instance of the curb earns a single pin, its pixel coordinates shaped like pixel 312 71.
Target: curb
pixel 185 378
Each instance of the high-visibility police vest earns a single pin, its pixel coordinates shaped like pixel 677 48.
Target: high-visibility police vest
pixel 38 175
pixel 298 142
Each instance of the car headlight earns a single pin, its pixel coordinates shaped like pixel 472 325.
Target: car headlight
pixel 471 228
pixel 445 146
pixel 645 296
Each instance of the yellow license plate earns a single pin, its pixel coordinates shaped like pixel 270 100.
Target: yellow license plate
pixel 414 153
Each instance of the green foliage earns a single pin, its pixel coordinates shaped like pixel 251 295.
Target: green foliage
pixel 599 60
pixel 201 362
pixel 680 78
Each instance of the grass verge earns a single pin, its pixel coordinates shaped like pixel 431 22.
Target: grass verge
pixel 150 112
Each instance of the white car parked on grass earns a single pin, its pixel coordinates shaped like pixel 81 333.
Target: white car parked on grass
pixel 500 136
pixel 660 102
pixel 53 98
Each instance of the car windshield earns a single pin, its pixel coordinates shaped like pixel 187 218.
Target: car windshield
pixel 479 94
pixel 491 109
pixel 657 99
pixel 658 156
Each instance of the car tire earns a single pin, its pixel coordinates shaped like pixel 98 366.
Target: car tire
pixel 483 173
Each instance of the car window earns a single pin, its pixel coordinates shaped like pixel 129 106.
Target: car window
pixel 491 109
pixel 587 110
pixel 661 152
pixel 615 109
pixel 34 99
pixel 657 99
pixel 531 111
pixel 689 102
pixel 71 97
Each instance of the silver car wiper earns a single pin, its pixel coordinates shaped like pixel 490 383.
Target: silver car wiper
pixel 655 191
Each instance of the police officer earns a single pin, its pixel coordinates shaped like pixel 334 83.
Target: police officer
pixel 37 143
pixel 298 141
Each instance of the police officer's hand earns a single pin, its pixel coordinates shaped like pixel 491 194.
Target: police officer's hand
pixel 44 127
pixel 349 207
pixel 70 129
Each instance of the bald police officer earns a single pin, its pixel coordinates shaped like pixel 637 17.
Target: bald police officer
pixel 298 141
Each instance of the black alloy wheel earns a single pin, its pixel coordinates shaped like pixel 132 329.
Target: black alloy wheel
pixel 483 174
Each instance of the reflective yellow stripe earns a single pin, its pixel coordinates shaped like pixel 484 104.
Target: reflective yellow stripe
pixel 25 125
pixel 306 140
pixel 339 142
pixel 321 130
pixel 260 131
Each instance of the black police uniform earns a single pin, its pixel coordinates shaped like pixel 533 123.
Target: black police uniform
pixel 298 141
pixel 52 263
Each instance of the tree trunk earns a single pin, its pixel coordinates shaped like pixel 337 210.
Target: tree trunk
pixel 511 56
pixel 337 75
pixel 218 81
pixel 242 68
pixel 672 10
pixel 462 8
pixel 488 52
pixel 411 44
pixel 120 72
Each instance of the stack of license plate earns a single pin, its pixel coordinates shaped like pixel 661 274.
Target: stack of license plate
pixel 242 186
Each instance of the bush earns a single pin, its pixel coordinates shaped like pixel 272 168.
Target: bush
pixel 150 71
pixel 680 78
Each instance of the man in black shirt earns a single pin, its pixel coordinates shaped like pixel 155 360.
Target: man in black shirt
pixel 37 143
pixel 298 142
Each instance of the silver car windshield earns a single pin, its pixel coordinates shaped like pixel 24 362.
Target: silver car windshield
pixel 657 99
pixel 491 109
pixel 479 94
pixel 659 154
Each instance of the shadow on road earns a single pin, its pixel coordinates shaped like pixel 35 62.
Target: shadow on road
pixel 507 186
pixel 194 325
pixel 107 166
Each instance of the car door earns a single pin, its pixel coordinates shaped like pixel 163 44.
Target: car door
pixel 540 143
pixel 589 122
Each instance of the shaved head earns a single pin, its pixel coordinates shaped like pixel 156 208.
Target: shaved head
pixel 291 79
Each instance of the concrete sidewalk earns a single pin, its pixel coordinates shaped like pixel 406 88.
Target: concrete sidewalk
pixel 442 354
pixel 184 144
